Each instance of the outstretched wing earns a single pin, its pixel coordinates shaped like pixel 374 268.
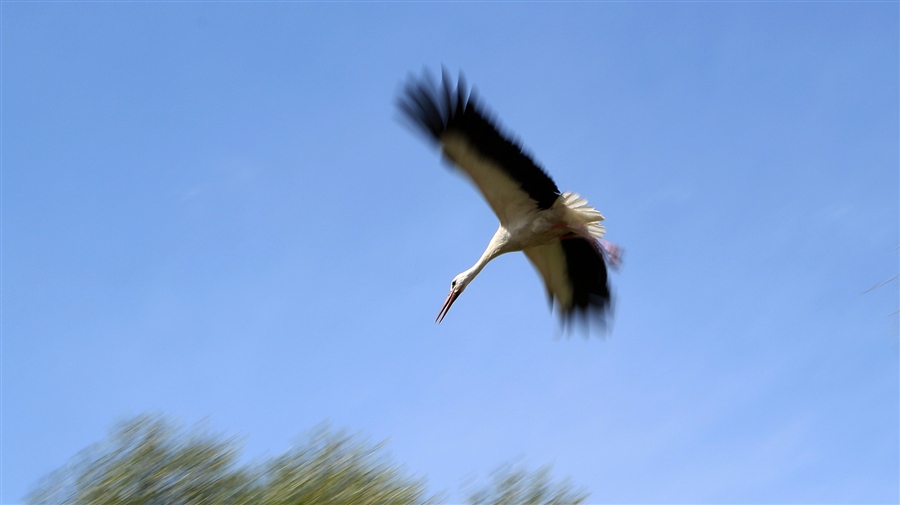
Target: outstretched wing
pixel 511 182
pixel 575 275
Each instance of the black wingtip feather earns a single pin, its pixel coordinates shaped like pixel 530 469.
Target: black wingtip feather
pixel 430 106
pixel 421 109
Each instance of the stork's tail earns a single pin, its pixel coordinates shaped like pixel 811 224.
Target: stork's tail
pixel 584 215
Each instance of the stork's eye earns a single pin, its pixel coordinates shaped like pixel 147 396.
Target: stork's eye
pixel 453 284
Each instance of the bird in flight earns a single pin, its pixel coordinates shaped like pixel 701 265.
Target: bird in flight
pixel 558 231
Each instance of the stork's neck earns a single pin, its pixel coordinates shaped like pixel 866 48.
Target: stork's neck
pixel 499 244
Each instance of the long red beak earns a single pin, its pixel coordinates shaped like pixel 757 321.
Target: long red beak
pixel 447 303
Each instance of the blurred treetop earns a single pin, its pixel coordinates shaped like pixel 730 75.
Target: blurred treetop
pixel 149 460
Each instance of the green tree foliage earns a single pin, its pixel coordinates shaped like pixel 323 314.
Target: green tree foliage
pixel 148 461
pixel 338 469
pixel 151 461
pixel 518 486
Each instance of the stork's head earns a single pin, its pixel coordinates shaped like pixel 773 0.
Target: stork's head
pixel 457 285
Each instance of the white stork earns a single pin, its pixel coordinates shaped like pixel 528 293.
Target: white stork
pixel 559 233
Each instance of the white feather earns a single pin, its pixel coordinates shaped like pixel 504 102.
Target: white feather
pixel 582 216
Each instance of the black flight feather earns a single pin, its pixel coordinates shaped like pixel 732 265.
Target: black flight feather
pixel 586 268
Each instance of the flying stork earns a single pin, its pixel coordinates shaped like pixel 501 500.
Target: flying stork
pixel 559 233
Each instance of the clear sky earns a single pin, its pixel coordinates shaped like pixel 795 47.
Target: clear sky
pixel 212 211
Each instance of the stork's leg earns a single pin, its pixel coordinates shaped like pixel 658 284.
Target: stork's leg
pixel 612 252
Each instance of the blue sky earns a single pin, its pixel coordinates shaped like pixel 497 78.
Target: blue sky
pixel 211 210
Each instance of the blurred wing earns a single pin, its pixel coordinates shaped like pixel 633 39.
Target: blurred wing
pixel 509 180
pixel 575 276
